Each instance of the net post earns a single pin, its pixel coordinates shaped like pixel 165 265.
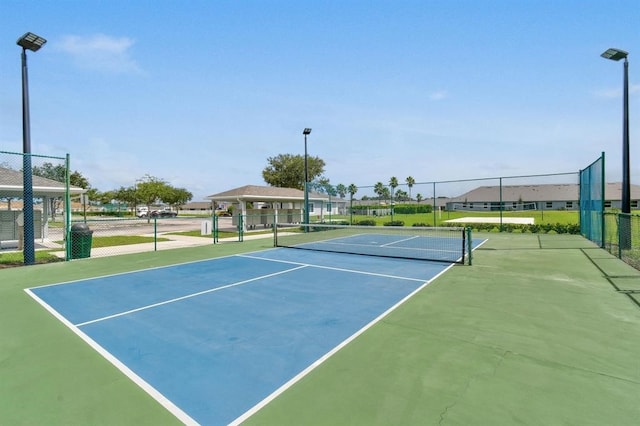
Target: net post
pixel 240 227
pixel 67 207
pixel 215 228
pixel 155 234
pixel 467 231
pixel 602 189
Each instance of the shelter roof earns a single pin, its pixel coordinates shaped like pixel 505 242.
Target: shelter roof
pixel 265 193
pixel 11 185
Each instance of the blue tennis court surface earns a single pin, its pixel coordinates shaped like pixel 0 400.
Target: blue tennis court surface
pixel 212 340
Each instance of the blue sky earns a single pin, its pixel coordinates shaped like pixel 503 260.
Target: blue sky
pixel 201 93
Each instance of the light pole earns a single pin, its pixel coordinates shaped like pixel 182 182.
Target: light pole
pixel 306 132
pixel 32 42
pixel 625 219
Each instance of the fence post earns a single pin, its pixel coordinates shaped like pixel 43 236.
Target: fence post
pixel 469 244
pixel 618 217
pixel 67 207
pixel 215 228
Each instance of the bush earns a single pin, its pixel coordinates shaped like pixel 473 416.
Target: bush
pixel 394 223
pixel 421 224
pixel 366 222
pixel 412 208
pixel 341 222
pixel 544 228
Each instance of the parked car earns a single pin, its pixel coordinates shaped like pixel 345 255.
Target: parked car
pixel 163 213
pixel 142 211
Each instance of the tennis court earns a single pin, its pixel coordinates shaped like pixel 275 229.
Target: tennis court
pixel 211 340
pixel 533 333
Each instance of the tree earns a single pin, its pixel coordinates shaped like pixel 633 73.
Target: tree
pixel 410 182
pixel 402 195
pixel 151 189
pixel 148 191
pixel 125 195
pixel 385 194
pixel 419 197
pixel 379 188
pixel 76 179
pixel 393 183
pixel 106 197
pixel 49 171
pixel 287 170
pixel 58 173
pixel 322 186
pixel 341 190
pixel 176 197
pixel 352 191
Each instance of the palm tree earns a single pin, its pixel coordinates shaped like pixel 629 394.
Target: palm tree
pixel 402 195
pixel 393 183
pixel 419 197
pixel 352 190
pixel 341 190
pixel 410 182
pixel 379 188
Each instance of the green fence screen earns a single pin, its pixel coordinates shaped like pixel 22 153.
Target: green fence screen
pixel 592 201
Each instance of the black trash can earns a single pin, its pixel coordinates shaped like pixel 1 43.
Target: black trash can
pixel 80 241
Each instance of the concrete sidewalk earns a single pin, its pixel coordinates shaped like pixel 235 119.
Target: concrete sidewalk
pixel 176 241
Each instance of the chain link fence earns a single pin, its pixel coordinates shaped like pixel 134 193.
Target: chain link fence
pixel 50 198
pixel 622 236
pixel 497 200
pixel 62 227
pixel 108 236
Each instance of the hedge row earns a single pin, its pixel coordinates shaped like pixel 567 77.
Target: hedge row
pixel 545 228
pixel 397 209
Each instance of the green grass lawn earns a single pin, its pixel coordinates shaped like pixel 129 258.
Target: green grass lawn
pixel 16 258
pixel 123 240
pixel 539 216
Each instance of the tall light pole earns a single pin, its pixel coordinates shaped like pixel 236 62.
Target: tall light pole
pixel 32 42
pixel 306 132
pixel 625 219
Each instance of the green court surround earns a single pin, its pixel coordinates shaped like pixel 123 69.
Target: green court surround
pixel 535 332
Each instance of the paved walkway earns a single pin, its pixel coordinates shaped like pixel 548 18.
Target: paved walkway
pixel 174 241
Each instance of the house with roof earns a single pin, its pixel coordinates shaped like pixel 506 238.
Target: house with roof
pixel 535 197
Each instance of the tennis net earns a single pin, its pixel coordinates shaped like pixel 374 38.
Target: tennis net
pixel 445 244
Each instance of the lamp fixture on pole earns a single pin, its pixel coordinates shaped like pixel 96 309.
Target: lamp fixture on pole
pixel 625 220
pixel 306 132
pixel 32 42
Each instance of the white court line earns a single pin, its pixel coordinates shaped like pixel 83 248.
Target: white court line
pixel 144 385
pixel 353 271
pixel 116 274
pixel 328 355
pixel 332 243
pixel 188 296
pixel 168 404
pixel 399 241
